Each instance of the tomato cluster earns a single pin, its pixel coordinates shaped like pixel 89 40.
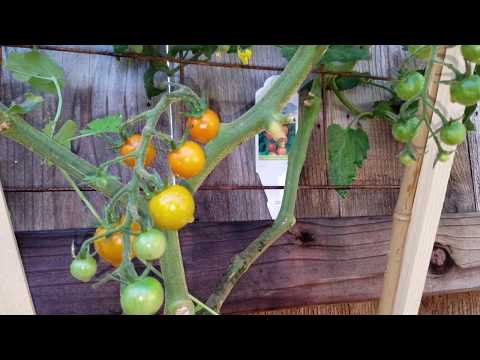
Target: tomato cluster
pixel 170 209
pixel 464 89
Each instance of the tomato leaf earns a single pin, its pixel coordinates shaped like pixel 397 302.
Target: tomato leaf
pixel 29 104
pixel 288 51
pixel 35 68
pixel 346 53
pixel 135 48
pixel 347 149
pixel 149 78
pixel 120 48
pixel 107 124
pixel 65 133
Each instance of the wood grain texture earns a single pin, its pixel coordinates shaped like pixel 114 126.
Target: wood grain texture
pixel 320 261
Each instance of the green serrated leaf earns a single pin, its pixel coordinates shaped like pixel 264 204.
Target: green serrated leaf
pixel 136 48
pixel 29 104
pixel 35 68
pixel 120 48
pixel 346 53
pixel 288 51
pixel 347 150
pixel 108 124
pixel 65 133
pixel 346 83
pixel 149 76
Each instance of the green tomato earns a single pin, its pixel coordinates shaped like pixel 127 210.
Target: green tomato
pixel 150 245
pixel 471 53
pixel 406 158
pixel 453 133
pixel 424 54
pixel 409 86
pixel 404 130
pixel 337 66
pixel 142 297
pixel 466 91
pixel 443 157
pixel 83 269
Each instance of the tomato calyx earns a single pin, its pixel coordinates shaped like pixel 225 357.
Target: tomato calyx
pixel 196 108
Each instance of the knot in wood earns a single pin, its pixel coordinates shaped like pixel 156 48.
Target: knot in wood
pixel 440 261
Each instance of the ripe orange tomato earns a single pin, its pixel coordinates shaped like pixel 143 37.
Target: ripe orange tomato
pixel 110 249
pixel 204 128
pixel 187 160
pixel 130 145
pixel 172 208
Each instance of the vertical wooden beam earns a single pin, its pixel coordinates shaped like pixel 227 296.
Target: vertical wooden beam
pixel 410 252
pixel 14 292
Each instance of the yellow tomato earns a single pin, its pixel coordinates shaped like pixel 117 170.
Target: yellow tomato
pixel 173 208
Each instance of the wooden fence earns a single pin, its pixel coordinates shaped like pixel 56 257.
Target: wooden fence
pixel 335 254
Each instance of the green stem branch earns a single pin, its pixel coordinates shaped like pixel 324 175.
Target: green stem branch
pixel 286 219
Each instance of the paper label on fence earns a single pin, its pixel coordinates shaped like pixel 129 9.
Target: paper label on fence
pixel 271 157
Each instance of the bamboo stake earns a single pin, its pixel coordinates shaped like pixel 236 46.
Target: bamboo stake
pixel 403 208
pixel 15 296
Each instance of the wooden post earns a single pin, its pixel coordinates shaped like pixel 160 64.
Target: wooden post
pixel 424 189
pixel 15 296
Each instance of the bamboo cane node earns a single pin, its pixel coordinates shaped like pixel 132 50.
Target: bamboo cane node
pixel 401 217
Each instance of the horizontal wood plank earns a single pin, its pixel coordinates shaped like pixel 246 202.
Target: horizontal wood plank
pixel 323 260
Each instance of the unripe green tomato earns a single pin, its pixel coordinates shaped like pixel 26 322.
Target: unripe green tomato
pixel 337 66
pixel 443 157
pixel 409 86
pixel 83 269
pixel 471 53
pixel 404 130
pixel 142 297
pixel 466 91
pixel 453 133
pixel 150 245
pixel 424 54
pixel 406 158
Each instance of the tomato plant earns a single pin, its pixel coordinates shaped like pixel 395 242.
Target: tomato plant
pixel 152 199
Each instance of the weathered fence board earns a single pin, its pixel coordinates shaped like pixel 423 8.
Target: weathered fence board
pixel 319 261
